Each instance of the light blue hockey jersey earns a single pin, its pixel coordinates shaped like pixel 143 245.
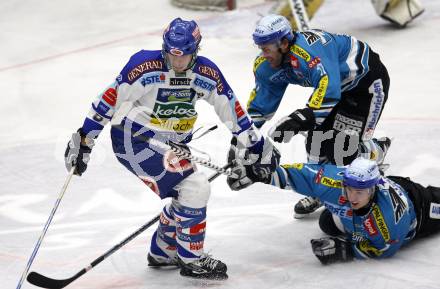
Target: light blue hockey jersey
pixel 330 63
pixel 389 224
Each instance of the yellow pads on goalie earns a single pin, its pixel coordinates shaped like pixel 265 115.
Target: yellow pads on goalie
pixel 283 8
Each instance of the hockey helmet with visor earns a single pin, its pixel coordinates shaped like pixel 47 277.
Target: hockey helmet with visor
pixel 272 29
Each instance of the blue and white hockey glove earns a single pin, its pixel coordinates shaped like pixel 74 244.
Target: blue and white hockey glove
pixel 78 153
pixel 288 126
pixel 332 249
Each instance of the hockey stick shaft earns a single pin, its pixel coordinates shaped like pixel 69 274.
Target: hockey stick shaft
pixel 46 282
pixel 46 226
pixel 300 14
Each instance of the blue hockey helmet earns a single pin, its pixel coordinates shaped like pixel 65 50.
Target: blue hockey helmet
pixel 361 174
pixel 271 29
pixel 181 37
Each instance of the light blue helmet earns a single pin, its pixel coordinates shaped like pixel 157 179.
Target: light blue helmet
pixel 361 174
pixel 271 29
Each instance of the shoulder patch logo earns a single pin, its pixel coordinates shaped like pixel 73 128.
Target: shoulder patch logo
pixel 315 61
pixel 258 61
pixel 294 62
pixel 332 183
pixel 297 166
pixel 301 52
pixel 149 65
pixel 434 211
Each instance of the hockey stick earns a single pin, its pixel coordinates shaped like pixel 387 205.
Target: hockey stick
pixel 49 220
pixel 300 14
pixel 45 282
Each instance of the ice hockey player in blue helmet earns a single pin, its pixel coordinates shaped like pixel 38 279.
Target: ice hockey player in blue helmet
pixel 367 215
pixel 159 90
pixel 350 88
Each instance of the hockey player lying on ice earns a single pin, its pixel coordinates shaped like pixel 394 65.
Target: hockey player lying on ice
pixel 367 215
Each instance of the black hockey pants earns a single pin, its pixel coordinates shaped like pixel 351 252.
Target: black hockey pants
pixel 356 115
pixel 422 199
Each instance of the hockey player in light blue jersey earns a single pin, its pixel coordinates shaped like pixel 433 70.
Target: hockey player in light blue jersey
pixel 367 215
pixel 155 96
pixel 350 90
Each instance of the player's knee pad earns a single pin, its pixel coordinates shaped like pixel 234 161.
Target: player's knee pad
pixel 194 191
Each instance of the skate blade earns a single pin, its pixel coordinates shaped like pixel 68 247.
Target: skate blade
pixel 299 216
pixel 206 282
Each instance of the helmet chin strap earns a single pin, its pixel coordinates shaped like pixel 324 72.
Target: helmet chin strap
pixel 193 59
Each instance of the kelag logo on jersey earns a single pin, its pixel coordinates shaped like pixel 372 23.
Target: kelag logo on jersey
pixel 151 78
pixel 174 110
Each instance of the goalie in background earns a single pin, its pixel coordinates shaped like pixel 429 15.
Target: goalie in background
pixel 368 216
pixel 399 12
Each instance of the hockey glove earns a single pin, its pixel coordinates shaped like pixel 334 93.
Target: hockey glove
pixel 332 249
pixel 249 170
pixel 78 152
pixel 247 175
pixel 288 126
pixel 233 152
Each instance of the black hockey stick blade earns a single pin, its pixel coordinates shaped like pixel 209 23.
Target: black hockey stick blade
pixel 45 282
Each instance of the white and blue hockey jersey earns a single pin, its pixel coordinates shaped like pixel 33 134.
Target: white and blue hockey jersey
pixel 156 99
pixel 330 63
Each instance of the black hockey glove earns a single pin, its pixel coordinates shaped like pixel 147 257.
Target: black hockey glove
pixel 332 249
pixel 288 126
pixel 250 170
pixel 247 175
pixel 78 154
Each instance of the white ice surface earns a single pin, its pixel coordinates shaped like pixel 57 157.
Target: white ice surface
pixel 57 55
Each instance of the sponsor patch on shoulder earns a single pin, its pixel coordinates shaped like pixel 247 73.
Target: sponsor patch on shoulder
pixel 297 166
pixel 434 211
